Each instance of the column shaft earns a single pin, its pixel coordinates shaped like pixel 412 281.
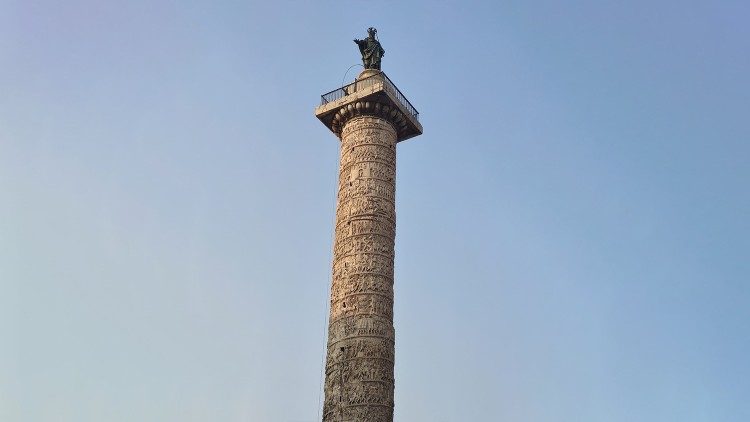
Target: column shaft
pixel 360 353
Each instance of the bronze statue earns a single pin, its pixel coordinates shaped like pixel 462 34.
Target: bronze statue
pixel 371 50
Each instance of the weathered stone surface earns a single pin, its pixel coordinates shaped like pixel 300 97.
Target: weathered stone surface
pixel 359 365
pixel 369 116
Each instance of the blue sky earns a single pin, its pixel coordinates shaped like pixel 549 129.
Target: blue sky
pixel 572 238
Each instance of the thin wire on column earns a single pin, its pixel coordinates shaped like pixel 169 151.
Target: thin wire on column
pixel 347 72
pixel 328 292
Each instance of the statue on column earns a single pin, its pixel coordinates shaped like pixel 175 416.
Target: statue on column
pixel 371 50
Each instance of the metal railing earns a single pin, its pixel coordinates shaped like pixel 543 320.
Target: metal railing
pixel 351 88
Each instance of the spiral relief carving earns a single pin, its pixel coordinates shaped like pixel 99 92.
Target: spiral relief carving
pixel 359 364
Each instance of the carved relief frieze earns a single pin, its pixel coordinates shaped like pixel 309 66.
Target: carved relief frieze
pixel 367 170
pixel 365 225
pixel 361 304
pixel 367 154
pixel 355 326
pixel 367 187
pixel 362 264
pixel 371 206
pixel 368 243
pixel 359 361
pixel 363 283
pixel 367 347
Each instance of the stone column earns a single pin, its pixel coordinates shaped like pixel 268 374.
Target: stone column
pixel 369 116
pixel 359 364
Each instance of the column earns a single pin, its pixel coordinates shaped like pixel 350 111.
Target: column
pixel 360 355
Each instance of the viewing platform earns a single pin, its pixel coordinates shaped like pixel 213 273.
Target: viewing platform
pixel 372 93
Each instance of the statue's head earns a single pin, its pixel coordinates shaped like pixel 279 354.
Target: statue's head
pixel 371 32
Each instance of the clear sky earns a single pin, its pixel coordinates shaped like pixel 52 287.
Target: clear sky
pixel 573 230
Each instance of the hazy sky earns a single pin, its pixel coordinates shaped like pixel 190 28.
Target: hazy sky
pixel 573 226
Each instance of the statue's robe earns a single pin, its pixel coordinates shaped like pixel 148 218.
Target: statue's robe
pixel 371 51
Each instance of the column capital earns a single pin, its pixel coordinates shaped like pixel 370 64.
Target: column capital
pixel 372 94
